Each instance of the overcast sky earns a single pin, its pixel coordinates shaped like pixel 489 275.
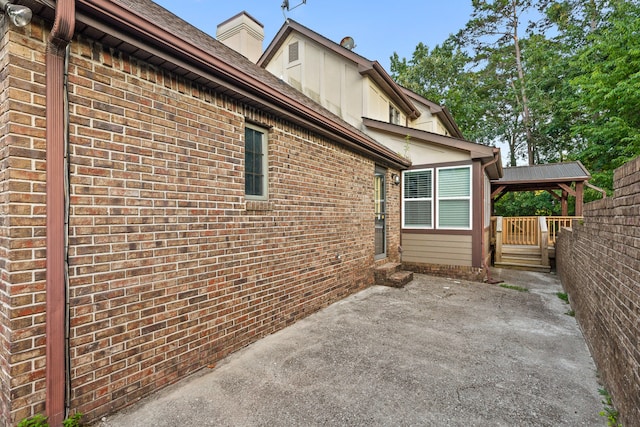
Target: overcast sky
pixel 379 28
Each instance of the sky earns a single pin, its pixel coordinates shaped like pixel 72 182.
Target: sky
pixel 379 28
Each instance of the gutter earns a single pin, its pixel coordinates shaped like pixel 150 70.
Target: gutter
pixel 380 76
pixel 59 38
pixel 108 16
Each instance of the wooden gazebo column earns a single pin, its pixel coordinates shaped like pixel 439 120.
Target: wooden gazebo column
pixel 579 197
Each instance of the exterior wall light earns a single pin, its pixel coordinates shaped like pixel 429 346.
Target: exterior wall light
pixel 18 15
pixel 394 177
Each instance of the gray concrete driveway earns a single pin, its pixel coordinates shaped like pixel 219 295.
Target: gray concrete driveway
pixel 438 352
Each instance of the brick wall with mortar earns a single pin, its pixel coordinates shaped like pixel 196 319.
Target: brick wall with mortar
pixel 22 222
pixel 170 268
pixel 599 265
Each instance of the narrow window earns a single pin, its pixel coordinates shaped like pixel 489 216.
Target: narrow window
pixel 255 163
pixel 294 54
pixel 454 197
pixel 394 115
pixel 417 197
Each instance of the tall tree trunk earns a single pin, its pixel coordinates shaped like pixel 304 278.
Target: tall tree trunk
pixel 526 116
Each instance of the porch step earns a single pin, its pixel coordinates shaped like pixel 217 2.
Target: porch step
pixel 389 274
pixel 524 267
pixel 522 257
pixel 529 260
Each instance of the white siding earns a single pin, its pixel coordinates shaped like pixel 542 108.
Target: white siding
pixel 420 153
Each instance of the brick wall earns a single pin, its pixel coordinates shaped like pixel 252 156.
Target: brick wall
pixel 170 267
pixel 22 223
pixel 599 264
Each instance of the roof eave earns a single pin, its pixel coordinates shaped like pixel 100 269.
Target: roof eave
pixel 476 151
pixel 384 80
pixel 145 32
pixel 372 69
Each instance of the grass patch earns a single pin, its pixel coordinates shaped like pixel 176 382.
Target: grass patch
pixel 609 412
pixel 40 420
pixel 514 287
pixel 563 296
pixel 571 313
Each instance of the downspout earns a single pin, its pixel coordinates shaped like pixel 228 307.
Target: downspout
pixel 59 39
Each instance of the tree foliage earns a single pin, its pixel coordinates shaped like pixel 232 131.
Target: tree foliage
pixel 555 80
pixel 608 89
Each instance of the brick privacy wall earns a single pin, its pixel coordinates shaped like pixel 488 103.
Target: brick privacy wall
pixel 599 265
pixel 5 330
pixel 22 222
pixel 171 269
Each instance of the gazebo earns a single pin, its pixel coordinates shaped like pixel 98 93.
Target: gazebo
pixel 561 180
pixel 529 242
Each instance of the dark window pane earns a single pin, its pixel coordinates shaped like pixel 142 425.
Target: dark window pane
pixel 253 157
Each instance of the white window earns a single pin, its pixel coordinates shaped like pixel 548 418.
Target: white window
pixel 255 163
pixel 417 195
pixel 451 206
pixel 454 197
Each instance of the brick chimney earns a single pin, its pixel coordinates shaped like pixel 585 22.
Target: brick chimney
pixel 243 34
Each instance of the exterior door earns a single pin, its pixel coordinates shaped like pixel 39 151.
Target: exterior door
pixel 380 213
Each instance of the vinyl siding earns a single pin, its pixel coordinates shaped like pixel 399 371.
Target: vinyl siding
pixel 436 249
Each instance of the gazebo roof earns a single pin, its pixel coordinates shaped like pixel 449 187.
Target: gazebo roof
pixel 570 178
pixel 540 174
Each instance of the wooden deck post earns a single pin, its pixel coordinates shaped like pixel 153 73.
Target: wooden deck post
pixel 544 241
pixel 564 204
pixel 498 239
pixel 579 198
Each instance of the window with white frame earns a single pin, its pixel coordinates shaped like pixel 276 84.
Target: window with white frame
pixel 255 163
pixel 454 197
pixel 417 195
pixel 437 198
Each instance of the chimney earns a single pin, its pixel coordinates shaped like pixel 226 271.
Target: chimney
pixel 243 34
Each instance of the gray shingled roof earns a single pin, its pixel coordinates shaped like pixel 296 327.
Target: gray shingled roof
pixel 232 76
pixel 556 172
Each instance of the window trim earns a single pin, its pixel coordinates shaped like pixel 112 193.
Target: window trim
pixel 298 49
pixel 265 163
pixel 435 199
pixel 430 199
pixel 468 198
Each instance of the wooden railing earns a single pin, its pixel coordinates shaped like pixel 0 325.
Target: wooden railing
pixel 555 224
pixel 520 230
pixel 530 231
pixel 525 230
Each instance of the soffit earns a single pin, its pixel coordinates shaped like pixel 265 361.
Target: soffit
pixel 145 30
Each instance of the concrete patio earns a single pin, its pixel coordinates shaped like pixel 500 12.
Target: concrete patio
pixel 439 352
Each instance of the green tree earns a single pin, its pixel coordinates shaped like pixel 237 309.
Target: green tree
pixel 497 26
pixel 440 75
pixel 608 88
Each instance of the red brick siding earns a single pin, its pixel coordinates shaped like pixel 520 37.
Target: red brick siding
pixel 170 267
pixel 599 264
pixel 22 223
